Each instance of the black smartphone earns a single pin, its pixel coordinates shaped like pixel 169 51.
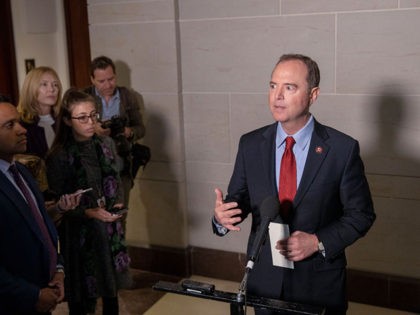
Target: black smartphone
pixel 240 206
pixel 197 287
pixel 118 211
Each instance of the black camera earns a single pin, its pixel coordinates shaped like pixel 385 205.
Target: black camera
pixel 134 154
pixel 117 126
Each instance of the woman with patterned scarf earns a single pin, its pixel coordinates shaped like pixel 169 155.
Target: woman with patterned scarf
pixel 91 235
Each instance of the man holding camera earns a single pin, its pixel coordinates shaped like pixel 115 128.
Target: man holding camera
pixel 120 117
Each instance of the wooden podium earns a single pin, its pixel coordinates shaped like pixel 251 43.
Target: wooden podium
pixel 236 305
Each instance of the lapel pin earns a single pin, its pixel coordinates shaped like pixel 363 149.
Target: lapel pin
pixel 319 150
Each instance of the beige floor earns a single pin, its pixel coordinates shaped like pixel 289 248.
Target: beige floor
pixel 134 302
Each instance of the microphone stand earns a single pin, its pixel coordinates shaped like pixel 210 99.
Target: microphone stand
pixel 269 209
pixel 241 296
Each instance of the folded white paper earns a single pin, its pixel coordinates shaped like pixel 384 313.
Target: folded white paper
pixel 277 232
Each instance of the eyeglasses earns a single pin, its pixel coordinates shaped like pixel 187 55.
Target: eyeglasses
pixel 85 118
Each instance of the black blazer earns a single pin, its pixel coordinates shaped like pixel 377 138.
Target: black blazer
pixel 24 260
pixel 333 201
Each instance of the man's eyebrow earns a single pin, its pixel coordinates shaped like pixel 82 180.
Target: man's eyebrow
pixel 287 83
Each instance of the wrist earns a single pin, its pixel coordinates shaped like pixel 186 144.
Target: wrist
pixel 88 212
pixel 319 246
pixel 218 228
pixel 316 242
pixel 60 271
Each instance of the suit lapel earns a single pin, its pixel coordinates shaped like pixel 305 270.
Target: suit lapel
pixel 33 186
pixel 267 149
pixel 317 153
pixel 16 198
pixel 31 183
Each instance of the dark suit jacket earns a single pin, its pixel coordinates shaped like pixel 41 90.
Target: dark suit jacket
pixel 37 142
pixel 24 260
pixel 333 201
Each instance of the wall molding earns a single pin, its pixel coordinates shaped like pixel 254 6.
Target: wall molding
pixel 363 286
pixel 8 74
pixel 78 41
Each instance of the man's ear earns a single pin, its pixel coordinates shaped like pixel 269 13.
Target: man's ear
pixel 313 95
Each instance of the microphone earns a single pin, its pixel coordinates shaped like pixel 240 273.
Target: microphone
pixel 269 210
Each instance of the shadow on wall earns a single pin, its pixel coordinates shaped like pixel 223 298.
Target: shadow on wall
pixel 124 79
pixel 156 196
pixel 390 155
pixel 123 73
pixel 161 192
pixel 393 171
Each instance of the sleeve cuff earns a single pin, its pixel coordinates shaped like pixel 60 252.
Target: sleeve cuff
pixel 218 228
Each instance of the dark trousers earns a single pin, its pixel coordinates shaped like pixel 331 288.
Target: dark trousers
pixel 109 307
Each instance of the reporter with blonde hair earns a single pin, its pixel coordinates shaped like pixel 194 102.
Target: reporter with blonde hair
pixel 38 107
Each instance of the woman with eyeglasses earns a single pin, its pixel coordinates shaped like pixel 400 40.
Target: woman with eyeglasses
pixel 92 238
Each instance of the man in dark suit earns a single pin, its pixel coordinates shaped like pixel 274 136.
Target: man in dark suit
pixel 331 206
pixel 31 280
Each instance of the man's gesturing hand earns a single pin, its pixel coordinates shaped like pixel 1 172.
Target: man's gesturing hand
pixel 224 212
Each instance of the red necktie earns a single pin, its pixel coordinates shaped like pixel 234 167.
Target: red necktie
pixel 37 216
pixel 287 182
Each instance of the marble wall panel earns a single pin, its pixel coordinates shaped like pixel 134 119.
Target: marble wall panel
pixel 409 3
pixel 137 220
pixel 206 127
pixel 164 127
pixel 385 126
pixel 206 172
pixel 239 55
pixel 130 12
pixel 395 187
pixel 147 51
pixel 249 112
pixel 377 50
pixel 317 6
pixel 204 9
pixel 391 246
pixel 164 211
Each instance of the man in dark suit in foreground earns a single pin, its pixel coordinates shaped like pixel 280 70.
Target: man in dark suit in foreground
pixel 330 206
pixel 31 279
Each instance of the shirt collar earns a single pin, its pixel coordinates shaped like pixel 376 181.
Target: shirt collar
pixel 4 166
pixel 301 137
pixel 116 94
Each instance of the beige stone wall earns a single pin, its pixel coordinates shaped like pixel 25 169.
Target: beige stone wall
pixel 203 68
pixel 40 33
